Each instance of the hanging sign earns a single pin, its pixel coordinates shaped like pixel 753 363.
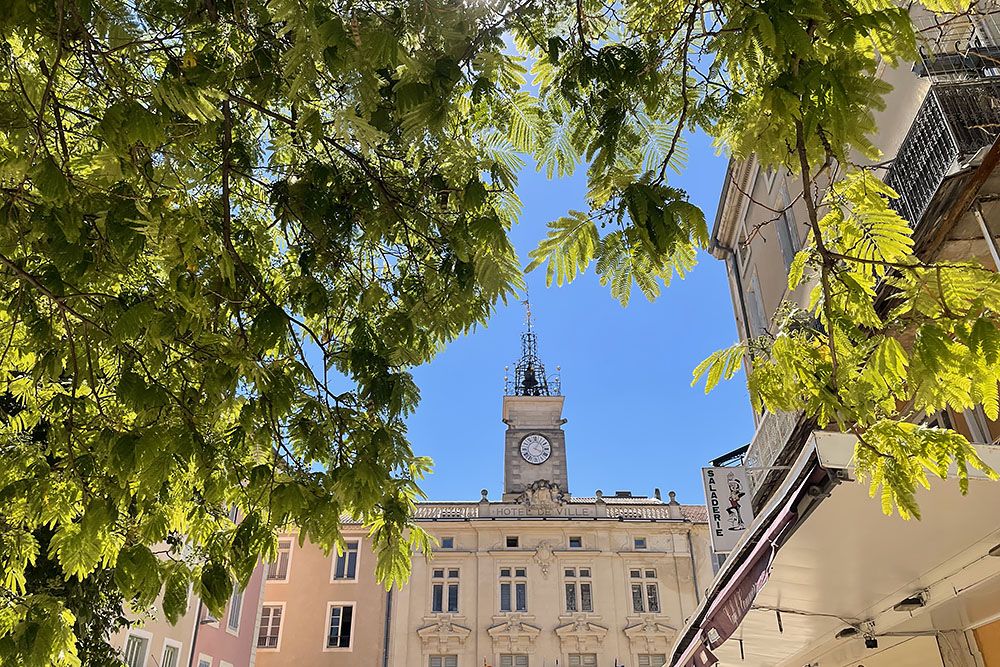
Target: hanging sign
pixel 727 494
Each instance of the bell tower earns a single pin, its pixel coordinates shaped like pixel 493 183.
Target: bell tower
pixel 535 444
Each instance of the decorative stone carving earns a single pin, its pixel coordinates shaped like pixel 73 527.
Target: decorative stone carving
pixel 542 496
pixel 650 636
pixel 513 635
pixel 443 636
pixel 581 636
pixel 544 557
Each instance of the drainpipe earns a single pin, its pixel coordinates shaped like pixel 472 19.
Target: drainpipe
pixel 388 624
pixel 194 635
pixel 739 284
pixel 694 569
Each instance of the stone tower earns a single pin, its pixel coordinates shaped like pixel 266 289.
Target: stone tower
pixel 535 444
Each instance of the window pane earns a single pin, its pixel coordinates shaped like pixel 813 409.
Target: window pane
pixel 451 661
pixel 352 563
pixel 570 597
pixel 453 574
pixel 520 572
pixel 652 660
pixel 569 572
pixel 453 597
pixel 640 543
pixel 435 661
pixel 345 627
pixel 505 572
pixel 522 596
pixel 437 597
pixel 439 574
pixel 586 600
pixel 447 542
pixel 635 574
pixel 584 573
pixel 512 541
pixel 504 597
pixel 651 574
pixel 637 598
pixel 575 542
pixel 652 598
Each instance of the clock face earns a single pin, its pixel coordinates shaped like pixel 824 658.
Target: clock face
pixel 535 449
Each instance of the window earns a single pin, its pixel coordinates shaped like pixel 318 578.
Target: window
pixel 513 660
pixel 171 655
pixel 346 564
pixel 639 543
pixel 582 660
pixel 513 589
pixel 278 570
pixel 652 660
pixel 136 648
pixel 645 591
pixel 270 626
pixel 447 542
pixel 341 624
pixel 235 607
pixel 444 590
pixel 204 660
pixel 443 661
pixel 788 238
pixel 579 590
pixel 512 542
pixel 576 543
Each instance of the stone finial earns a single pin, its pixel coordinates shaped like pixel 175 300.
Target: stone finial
pixel 672 495
pixel 600 496
pixel 485 495
pixel 656 494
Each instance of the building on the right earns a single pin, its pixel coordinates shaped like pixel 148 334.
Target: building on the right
pixel 822 577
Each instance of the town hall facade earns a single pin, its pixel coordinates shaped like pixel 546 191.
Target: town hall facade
pixel 536 577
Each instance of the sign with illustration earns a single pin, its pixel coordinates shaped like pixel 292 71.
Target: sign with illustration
pixel 727 494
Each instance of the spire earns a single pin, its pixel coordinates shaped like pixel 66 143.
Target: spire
pixel 529 372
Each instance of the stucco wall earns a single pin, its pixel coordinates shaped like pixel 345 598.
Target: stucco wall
pixel 237 647
pixel 306 596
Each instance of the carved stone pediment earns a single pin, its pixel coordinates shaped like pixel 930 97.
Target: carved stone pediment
pixel 542 496
pixel 581 636
pixel 650 636
pixel 513 634
pixel 443 635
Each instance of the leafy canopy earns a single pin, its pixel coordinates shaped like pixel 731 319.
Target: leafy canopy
pixel 228 230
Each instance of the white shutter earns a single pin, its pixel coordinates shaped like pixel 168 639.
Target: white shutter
pixel 135 651
pixel 170 655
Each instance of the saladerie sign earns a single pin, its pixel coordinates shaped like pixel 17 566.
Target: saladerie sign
pixel 727 494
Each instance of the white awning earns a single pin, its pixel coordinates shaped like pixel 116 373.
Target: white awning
pixel 847 564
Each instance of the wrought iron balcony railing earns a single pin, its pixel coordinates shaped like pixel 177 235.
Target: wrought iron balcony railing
pixel 955 121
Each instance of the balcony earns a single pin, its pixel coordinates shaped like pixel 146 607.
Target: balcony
pixel 954 123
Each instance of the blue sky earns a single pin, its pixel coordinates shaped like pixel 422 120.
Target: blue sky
pixel 634 421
